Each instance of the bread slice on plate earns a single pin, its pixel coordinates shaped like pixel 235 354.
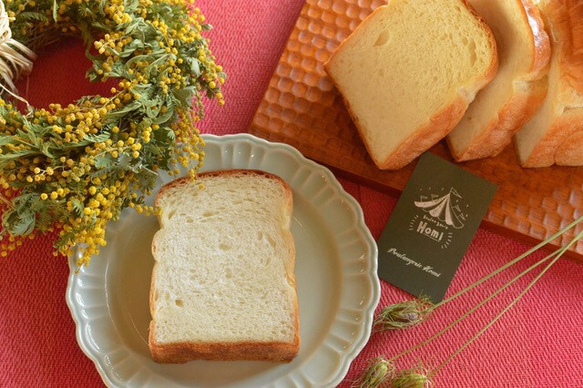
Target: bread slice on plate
pixel 519 88
pixel 555 133
pixel 223 284
pixel 408 72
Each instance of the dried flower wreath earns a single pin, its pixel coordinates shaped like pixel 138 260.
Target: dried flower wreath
pixel 69 170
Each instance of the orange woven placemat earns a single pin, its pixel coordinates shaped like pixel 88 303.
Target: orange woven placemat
pixel 302 108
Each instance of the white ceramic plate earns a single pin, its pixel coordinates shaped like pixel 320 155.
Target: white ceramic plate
pixel 338 288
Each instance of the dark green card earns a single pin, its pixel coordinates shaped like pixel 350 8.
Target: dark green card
pixel 432 226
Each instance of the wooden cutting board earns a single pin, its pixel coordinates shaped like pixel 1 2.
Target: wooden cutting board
pixel 302 108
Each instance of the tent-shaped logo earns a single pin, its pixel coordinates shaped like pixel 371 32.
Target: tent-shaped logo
pixel 445 208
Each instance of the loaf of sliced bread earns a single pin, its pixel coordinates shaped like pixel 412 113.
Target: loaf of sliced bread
pixel 223 284
pixel 519 88
pixel 408 72
pixel 555 133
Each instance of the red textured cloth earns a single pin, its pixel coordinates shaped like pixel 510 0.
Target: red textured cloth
pixel 537 344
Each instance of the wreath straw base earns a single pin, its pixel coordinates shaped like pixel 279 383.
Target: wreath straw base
pixel 72 169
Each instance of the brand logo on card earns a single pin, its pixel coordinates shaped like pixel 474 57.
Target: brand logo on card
pixel 442 212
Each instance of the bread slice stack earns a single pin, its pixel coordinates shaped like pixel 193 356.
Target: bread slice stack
pixel 408 73
pixel 223 284
pixel 555 134
pixel 519 88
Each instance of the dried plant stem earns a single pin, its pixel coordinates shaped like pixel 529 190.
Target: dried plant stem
pixel 412 312
pixel 511 263
pixel 557 255
pixel 413 378
pixel 474 308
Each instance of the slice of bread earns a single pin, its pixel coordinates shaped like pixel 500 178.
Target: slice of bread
pixel 555 133
pixel 408 72
pixel 223 284
pixel 519 88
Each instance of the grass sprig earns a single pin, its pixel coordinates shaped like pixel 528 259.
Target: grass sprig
pixel 403 314
pixel 422 377
pixel 411 378
pixel 378 373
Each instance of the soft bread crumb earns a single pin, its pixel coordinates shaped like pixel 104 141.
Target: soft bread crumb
pixel 553 135
pixel 408 73
pixel 520 85
pixel 223 286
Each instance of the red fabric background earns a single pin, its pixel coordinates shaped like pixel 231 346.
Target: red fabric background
pixel 537 344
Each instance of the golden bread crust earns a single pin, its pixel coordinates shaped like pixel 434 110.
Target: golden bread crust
pixel 561 142
pixel 528 93
pixel 540 40
pixel 179 353
pixel 570 152
pixel 498 133
pixel 568 18
pixel 427 136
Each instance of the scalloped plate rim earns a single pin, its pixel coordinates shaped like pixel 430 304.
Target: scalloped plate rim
pixel 367 310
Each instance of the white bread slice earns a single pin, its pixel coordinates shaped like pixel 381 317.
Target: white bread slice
pixel 555 133
pixel 223 284
pixel 519 88
pixel 408 72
